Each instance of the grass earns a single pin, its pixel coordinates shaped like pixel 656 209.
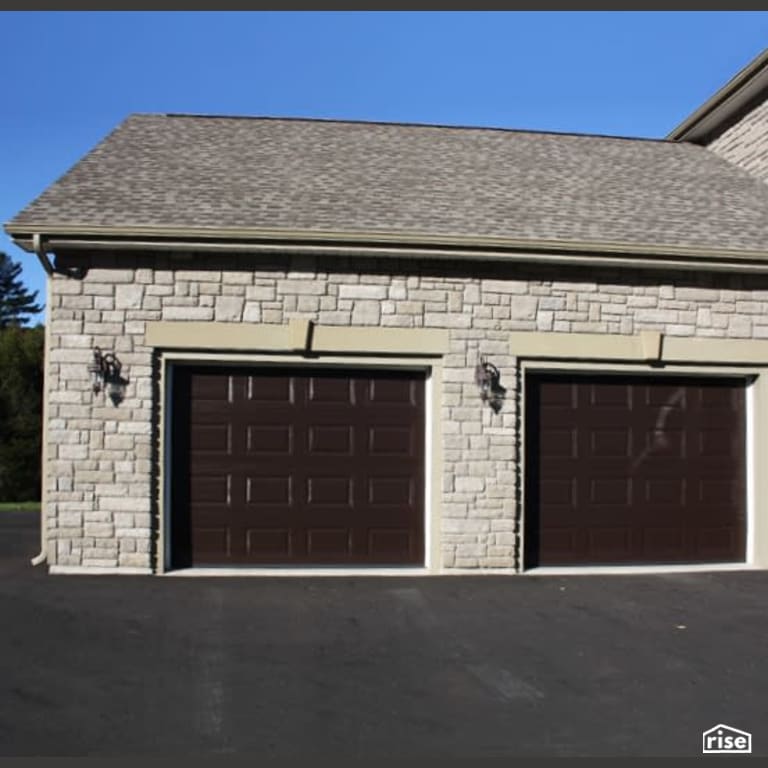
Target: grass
pixel 19 506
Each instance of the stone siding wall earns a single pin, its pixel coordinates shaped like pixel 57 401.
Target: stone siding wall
pixel 746 142
pixel 101 456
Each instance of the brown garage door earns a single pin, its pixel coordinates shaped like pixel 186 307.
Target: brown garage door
pixel 289 466
pixel 634 470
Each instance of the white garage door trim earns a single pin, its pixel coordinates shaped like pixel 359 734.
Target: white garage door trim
pixel 432 366
pixel 756 447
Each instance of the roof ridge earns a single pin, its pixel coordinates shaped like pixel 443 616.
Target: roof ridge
pixel 403 124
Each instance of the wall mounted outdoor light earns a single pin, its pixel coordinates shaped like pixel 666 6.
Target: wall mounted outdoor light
pixel 488 378
pixel 105 373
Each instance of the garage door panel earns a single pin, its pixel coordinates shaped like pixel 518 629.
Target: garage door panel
pixel 610 442
pixel 560 491
pixel 718 491
pixel 333 439
pixel 714 398
pixel 610 397
pixel 269 543
pixel 559 541
pixel 269 439
pixel 665 490
pixel 316 462
pixel 398 491
pixel 211 411
pixel 211 387
pixel 611 542
pixel 713 539
pixel 334 491
pixel 615 491
pixel 212 438
pixel 333 542
pixel 392 391
pixel 671 397
pixel 210 542
pixel 395 543
pixel 331 390
pixel 269 491
pixel 717 443
pixel 658 459
pixel 667 541
pixel 271 389
pixel 559 394
pixel 391 440
pixel 558 442
pixel 667 443
pixel 214 489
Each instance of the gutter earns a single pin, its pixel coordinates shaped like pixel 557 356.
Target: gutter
pixel 60 235
pixel 589 255
pixel 74 237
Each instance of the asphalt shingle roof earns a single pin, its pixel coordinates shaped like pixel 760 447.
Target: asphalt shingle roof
pixel 312 175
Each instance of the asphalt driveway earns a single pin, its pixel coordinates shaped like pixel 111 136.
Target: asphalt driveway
pixel 360 667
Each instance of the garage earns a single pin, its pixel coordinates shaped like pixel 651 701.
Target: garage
pixel 296 466
pixel 634 470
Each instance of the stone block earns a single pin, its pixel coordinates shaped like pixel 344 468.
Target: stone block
pixel 187 313
pixel 363 291
pixel 134 559
pixel 366 313
pixel 125 503
pixel 740 327
pixel 315 287
pixel 445 320
pixel 119 442
pixel 129 296
pixel 99 530
pixel 72 452
pixel 505 286
pixel 198 275
pixel 523 308
pixel 698 295
pixel 70 519
pixel 228 308
pixel 124 519
pixel 397 290
pixel 110 276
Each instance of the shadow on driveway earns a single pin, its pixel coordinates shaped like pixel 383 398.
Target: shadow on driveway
pixel 455 666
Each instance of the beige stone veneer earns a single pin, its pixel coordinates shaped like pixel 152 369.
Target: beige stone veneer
pixel 101 479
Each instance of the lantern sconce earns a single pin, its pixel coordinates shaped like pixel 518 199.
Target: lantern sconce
pixel 105 374
pixel 488 378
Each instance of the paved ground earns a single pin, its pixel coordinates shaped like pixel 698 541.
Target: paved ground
pixel 453 666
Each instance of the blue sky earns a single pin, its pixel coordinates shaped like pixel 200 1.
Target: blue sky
pixel 70 77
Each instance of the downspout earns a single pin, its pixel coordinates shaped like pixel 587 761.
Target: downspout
pixel 42 256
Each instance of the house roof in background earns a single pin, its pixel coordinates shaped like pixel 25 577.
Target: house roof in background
pixel 209 176
pixel 744 91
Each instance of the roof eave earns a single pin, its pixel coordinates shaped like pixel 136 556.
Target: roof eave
pixel 743 91
pixel 388 245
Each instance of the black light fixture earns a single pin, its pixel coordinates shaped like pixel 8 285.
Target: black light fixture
pixel 488 378
pixel 105 372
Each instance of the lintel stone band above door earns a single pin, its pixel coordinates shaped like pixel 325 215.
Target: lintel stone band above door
pixel 645 346
pixel 298 335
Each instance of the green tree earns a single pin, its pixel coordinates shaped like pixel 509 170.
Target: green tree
pixel 21 394
pixel 17 304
